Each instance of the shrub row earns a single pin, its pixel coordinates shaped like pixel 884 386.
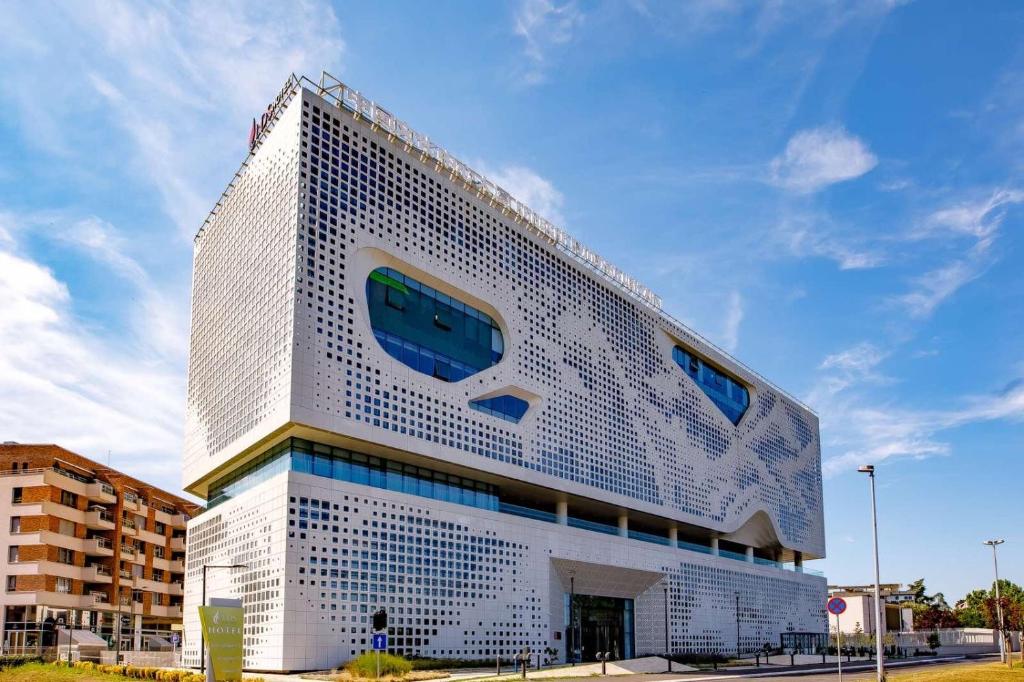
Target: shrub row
pixel 141 673
pixel 365 665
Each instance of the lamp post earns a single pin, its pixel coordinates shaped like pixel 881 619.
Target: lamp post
pixel 737 625
pixel 999 607
pixel 202 654
pixel 572 617
pixel 869 469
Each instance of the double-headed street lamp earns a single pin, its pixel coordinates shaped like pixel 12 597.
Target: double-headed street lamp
pixel 999 606
pixel 869 469
pixel 202 654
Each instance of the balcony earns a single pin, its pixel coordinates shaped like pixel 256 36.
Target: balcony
pixel 128 528
pixel 98 573
pixel 99 598
pixel 131 502
pixel 65 480
pixel 128 553
pixel 98 547
pixel 151 537
pixel 98 491
pixel 161 564
pixel 165 611
pixel 177 544
pixel 176 589
pixel 177 566
pixel 99 519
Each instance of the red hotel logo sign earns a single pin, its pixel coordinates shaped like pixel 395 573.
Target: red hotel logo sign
pixel 259 127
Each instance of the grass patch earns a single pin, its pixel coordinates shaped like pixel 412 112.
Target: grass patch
pixel 986 672
pixel 31 672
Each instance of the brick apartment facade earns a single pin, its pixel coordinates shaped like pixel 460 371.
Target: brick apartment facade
pixel 83 543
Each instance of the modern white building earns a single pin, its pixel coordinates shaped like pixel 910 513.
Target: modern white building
pixel 407 390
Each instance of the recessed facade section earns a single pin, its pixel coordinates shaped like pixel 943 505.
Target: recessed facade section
pixel 507 407
pixel 726 392
pixel 429 331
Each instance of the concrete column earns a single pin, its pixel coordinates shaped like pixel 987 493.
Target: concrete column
pixel 750 555
pixel 624 524
pixel 714 546
pixel 798 561
pixel 673 537
pixel 137 638
pixel 562 511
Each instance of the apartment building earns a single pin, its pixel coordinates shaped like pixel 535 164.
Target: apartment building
pixel 88 548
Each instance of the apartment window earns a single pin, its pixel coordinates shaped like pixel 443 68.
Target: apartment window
pixel 65 556
pixel 12 554
pixel 158 552
pixel 65 527
pixel 158 575
pixel 68 499
pixel 16 495
pixel 160 529
pixel 15 524
pixel 64 585
pixel 12 583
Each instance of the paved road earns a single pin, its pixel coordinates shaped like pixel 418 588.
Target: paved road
pixel 772 676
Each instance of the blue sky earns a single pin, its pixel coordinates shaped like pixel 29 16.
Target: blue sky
pixel 831 191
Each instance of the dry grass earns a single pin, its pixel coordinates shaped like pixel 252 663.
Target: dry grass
pixel 33 672
pixel 987 672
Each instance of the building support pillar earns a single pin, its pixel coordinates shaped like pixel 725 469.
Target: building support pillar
pixel 624 524
pixel 750 555
pixel 562 512
pixel 714 546
pixel 673 537
pixel 798 561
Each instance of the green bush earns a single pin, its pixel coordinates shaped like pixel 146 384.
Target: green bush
pixel 365 665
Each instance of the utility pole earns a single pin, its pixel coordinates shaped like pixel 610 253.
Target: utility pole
pixel 668 646
pixel 737 625
pixel 572 616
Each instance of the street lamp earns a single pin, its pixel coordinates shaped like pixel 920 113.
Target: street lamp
pixel 879 622
pixel 202 654
pixel 999 607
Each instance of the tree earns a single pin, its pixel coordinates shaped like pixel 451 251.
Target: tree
pixel 978 608
pixel 934 617
pixel 934 641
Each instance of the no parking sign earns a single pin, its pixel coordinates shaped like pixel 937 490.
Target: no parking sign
pixel 836 605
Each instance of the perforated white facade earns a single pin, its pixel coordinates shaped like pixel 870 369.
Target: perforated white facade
pixel 634 479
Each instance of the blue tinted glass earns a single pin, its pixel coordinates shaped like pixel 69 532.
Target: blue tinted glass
pixel 430 331
pixel 507 407
pixel 727 393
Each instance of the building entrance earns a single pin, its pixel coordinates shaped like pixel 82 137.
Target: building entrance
pixel 601 624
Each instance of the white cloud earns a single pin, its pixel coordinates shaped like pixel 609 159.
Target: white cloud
pixel 529 187
pixel 861 428
pixel 809 235
pixel 180 82
pixel 543 25
pixel 66 383
pixel 819 157
pixel 733 320
pixel 980 219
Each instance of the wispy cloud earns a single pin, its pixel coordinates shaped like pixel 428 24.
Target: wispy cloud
pixel 979 219
pixel 860 428
pixel 819 157
pixel 529 187
pixel 733 320
pixel 543 25
pixel 814 234
pixel 178 81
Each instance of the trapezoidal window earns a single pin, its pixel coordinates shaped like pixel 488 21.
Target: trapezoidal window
pixel 428 331
pixel 727 393
pixel 507 407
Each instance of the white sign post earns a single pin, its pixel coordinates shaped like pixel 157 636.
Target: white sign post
pixel 835 606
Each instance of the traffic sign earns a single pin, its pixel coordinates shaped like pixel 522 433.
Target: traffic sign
pixel 836 605
pixel 175 638
pixel 380 641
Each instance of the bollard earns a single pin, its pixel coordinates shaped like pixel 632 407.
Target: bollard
pixel 792 658
pixel 539 663
pixel 757 659
pixel 497 665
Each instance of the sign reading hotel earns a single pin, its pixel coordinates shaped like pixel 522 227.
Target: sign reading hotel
pixel 222 632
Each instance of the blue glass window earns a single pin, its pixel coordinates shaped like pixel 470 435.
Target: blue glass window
pixel 507 407
pixel 727 393
pixel 428 331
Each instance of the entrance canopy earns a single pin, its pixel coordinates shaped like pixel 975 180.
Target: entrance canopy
pixel 603 580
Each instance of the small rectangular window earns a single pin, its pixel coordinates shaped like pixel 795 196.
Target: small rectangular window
pixel 64 585
pixel 65 527
pixel 15 524
pixel 12 554
pixel 12 583
pixel 68 499
pixel 16 495
pixel 65 556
